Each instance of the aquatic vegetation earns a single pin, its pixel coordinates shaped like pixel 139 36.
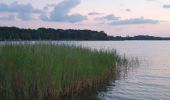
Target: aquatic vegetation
pixel 51 72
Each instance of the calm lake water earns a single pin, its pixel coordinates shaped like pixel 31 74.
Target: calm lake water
pixel 148 81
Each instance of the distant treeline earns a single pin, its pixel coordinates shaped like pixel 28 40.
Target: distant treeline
pixel 14 33
pixel 138 37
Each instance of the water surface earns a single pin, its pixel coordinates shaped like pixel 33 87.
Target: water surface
pixel 148 81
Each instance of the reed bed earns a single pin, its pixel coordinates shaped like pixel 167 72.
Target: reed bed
pixel 52 72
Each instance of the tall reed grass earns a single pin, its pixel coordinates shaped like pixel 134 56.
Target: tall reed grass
pixel 50 72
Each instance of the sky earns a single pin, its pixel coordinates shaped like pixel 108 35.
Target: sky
pixel 115 17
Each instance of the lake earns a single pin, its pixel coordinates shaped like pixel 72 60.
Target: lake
pixel 150 80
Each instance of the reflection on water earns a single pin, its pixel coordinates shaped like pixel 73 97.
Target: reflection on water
pixel 148 81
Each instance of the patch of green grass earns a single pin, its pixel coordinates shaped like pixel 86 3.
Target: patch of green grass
pixel 46 71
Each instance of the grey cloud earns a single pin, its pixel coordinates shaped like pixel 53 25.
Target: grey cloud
pixel 110 17
pixel 135 21
pixel 128 10
pixel 94 13
pixel 24 16
pixel 15 7
pixel 23 11
pixel 44 18
pixel 113 20
pixel 166 6
pixel 76 18
pixel 48 6
pixel 9 18
pixel 61 12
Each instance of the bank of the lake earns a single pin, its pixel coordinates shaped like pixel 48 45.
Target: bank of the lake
pixel 50 72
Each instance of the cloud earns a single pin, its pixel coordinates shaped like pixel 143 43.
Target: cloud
pixel 166 6
pixel 114 20
pixel 128 10
pixel 76 18
pixel 94 13
pixel 15 7
pixel 134 21
pixel 23 11
pixel 25 16
pixel 9 18
pixel 49 6
pixel 61 12
pixel 44 17
pixel 110 17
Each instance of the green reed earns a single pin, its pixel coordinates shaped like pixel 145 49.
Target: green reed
pixel 45 72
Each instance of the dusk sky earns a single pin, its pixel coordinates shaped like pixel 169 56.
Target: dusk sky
pixel 115 17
